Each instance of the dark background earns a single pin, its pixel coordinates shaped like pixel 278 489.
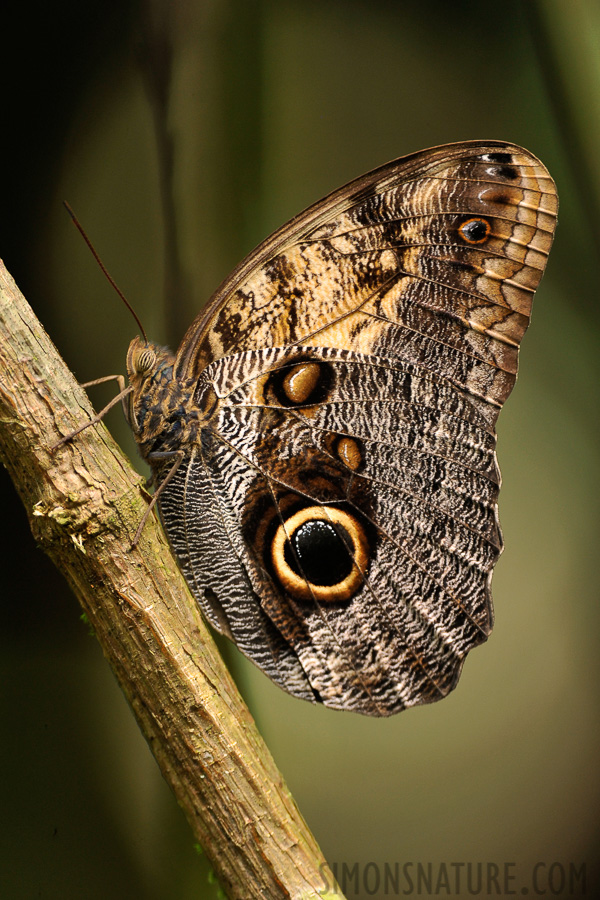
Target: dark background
pixel 271 105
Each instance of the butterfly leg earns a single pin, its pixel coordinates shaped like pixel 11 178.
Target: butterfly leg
pixel 123 392
pixel 118 378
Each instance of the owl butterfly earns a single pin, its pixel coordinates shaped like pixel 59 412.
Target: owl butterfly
pixel 323 442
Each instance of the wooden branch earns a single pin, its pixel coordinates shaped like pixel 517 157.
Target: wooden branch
pixel 84 502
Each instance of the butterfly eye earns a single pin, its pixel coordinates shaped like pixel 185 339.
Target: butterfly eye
pixel 145 361
pixel 320 552
pixel 475 231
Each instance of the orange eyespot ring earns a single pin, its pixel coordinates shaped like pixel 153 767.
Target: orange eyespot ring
pixel 320 553
pixel 475 231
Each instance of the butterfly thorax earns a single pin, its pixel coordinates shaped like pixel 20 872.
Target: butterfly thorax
pixel 160 408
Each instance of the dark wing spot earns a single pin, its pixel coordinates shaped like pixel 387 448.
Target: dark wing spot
pixel 499 195
pixel 459 266
pixel 508 172
pixel 319 552
pixel 475 231
pixel 497 157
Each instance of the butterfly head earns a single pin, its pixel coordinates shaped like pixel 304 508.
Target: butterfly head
pixel 150 372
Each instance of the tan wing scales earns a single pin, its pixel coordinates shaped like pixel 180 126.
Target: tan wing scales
pixel 433 258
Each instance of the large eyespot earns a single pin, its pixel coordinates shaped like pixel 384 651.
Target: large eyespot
pixel 475 230
pixel 303 383
pixel 320 552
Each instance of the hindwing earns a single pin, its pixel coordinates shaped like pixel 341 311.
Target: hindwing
pixel 400 470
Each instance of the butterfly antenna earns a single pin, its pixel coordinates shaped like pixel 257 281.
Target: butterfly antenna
pixel 81 231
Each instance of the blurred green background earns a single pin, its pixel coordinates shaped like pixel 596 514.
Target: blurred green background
pixel 270 105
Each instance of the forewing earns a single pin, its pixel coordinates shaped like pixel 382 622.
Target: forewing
pixel 432 259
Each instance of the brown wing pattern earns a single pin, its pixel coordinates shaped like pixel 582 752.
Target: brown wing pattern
pixel 335 512
pixel 420 489
pixel 433 258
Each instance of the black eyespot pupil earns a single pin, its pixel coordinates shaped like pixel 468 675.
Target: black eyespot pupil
pixel 322 554
pixel 475 230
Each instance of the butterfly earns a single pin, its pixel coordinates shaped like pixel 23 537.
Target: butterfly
pixel 323 441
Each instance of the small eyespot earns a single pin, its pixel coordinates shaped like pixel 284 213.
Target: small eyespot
pixel 305 383
pixel 475 230
pixel 350 451
pixel 321 553
pixel 301 381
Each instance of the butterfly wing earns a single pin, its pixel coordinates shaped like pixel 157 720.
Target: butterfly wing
pixel 340 506
pixel 433 258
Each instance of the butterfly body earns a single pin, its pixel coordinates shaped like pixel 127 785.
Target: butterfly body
pixel 324 439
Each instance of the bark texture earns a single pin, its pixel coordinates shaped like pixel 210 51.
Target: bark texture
pixel 84 502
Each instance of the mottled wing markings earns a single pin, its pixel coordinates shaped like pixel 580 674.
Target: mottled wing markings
pixel 214 564
pixel 341 644
pixel 398 304
pixel 251 368
pixel 460 319
pixel 247 638
pixel 363 410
